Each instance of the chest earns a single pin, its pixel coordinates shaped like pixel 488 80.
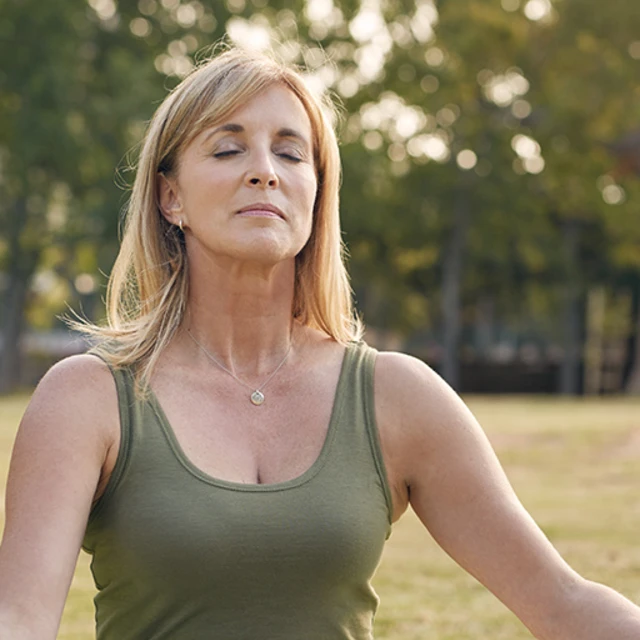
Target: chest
pixel 227 437
pixel 298 538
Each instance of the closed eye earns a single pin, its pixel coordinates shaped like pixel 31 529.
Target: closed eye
pixel 226 154
pixel 291 157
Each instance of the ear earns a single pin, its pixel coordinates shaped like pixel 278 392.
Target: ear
pixel 169 198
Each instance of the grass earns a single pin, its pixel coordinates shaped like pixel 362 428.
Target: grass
pixel 574 464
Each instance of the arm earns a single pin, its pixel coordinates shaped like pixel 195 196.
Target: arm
pixel 454 482
pixel 56 466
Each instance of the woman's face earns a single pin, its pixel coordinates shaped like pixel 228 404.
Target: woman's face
pixel 245 188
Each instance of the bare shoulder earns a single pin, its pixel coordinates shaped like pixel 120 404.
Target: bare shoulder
pixel 419 415
pixel 409 390
pixel 84 371
pixel 395 370
pixel 405 391
pixel 76 392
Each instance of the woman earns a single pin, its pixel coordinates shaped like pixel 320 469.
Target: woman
pixel 231 454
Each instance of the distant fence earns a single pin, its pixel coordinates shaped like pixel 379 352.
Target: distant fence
pixel 43 349
pixel 511 376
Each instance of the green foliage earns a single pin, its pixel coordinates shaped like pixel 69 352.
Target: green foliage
pixel 84 77
pixel 577 76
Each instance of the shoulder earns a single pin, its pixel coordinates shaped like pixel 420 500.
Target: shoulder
pixel 419 415
pixel 76 392
pixel 74 380
pixel 410 385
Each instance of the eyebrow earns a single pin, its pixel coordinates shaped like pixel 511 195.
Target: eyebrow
pixel 231 128
pixel 285 132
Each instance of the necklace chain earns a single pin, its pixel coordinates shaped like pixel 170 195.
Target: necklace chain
pixel 257 397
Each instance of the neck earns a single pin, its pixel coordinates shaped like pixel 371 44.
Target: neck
pixel 242 315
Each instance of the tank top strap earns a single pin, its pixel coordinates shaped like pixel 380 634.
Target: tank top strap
pixel 129 413
pixel 357 441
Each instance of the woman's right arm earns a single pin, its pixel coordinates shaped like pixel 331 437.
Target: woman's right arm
pixel 66 435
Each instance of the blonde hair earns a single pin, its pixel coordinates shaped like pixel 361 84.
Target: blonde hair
pixel 148 287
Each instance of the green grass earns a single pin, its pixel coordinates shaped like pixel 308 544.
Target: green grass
pixel 574 464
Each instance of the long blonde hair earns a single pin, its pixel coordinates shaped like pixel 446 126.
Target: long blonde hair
pixel 148 287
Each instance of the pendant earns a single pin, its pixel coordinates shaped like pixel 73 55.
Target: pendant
pixel 257 397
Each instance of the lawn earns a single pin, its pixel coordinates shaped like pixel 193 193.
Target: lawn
pixel 574 464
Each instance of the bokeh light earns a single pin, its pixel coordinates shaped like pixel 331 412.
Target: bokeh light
pixel 248 35
pixel 105 9
pixel 537 10
pixel 466 159
pixel 147 7
pixel 85 283
pixel 613 194
pixel 429 84
pixel 434 56
pixel 521 109
pixel 529 158
pixel 140 27
pixel 503 89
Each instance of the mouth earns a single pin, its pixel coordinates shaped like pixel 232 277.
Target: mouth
pixel 261 209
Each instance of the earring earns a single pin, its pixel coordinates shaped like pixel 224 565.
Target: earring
pixel 180 225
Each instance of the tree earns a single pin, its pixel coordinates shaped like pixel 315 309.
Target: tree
pixel 80 85
pixel 475 145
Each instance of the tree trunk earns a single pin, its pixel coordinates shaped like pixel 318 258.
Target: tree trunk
pixel 484 326
pixel 22 264
pixel 14 304
pixel 594 342
pixel 632 384
pixel 451 287
pixel 572 317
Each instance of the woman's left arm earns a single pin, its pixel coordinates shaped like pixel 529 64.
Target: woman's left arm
pixel 456 486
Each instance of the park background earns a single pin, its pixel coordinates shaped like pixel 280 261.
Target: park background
pixel 491 156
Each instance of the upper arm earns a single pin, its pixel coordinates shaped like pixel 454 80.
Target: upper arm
pixel 458 489
pixel 58 456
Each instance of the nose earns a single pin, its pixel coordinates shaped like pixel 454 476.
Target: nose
pixel 262 173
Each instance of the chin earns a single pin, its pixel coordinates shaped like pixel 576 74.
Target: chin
pixel 270 249
pixel 267 253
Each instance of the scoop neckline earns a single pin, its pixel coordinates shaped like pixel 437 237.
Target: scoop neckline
pixel 232 485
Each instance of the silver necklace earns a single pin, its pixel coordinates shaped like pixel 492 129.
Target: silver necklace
pixel 257 397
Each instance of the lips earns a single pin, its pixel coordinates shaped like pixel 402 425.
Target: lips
pixel 261 209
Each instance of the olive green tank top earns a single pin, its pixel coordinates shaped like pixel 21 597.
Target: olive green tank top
pixel 180 555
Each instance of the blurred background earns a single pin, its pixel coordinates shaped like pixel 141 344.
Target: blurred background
pixel 491 153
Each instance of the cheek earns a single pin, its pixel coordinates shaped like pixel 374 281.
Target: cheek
pixel 310 190
pixel 307 188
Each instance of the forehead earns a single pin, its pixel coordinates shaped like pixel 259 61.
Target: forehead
pixel 274 109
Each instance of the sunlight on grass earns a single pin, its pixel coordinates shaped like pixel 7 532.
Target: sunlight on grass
pixel 574 464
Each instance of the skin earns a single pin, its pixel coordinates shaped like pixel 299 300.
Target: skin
pixel 241 282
